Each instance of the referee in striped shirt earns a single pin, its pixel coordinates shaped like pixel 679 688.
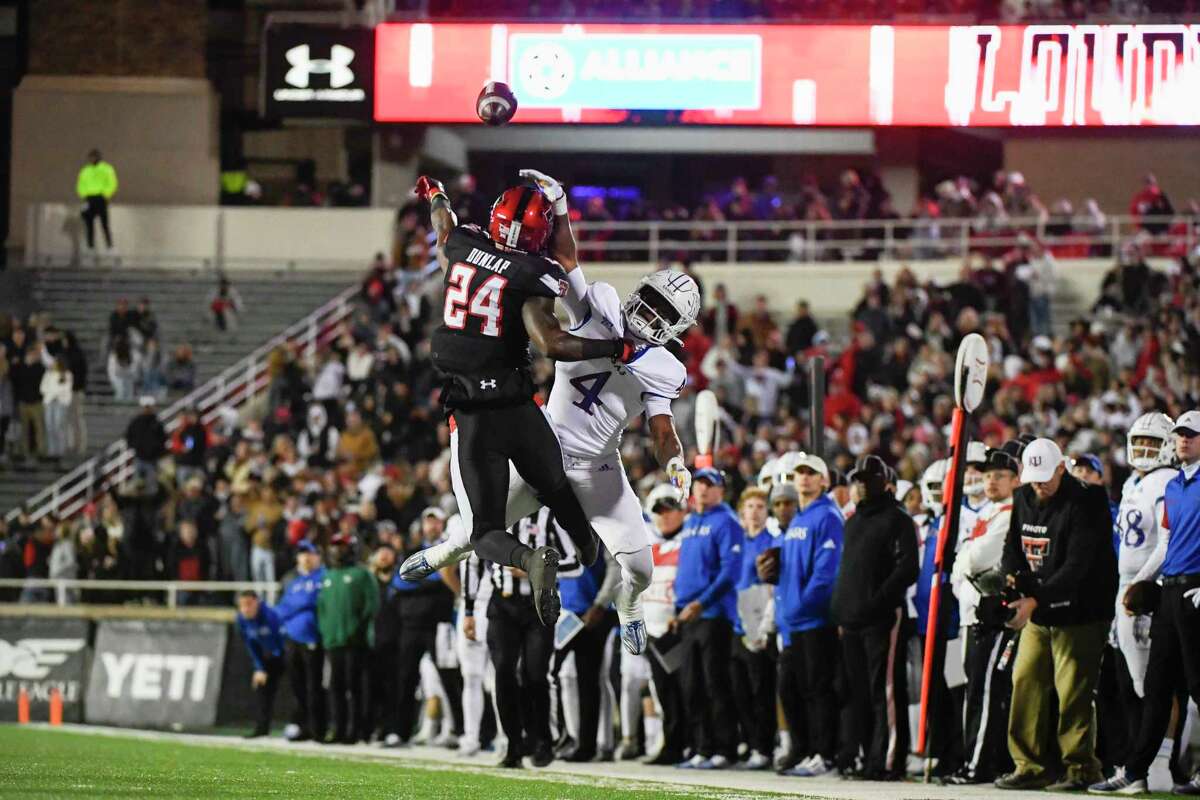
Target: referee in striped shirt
pixel 521 647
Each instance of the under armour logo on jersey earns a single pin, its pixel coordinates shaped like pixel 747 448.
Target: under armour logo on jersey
pixel 556 285
pixel 337 66
pixel 488 384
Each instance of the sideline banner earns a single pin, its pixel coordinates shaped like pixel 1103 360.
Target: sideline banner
pixel 39 655
pixel 156 673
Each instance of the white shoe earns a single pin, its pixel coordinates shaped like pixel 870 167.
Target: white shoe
pixel 467 749
pixel 814 768
pixel 392 740
pixel 693 762
pixel 633 636
pixel 447 739
pixel 716 762
pixel 291 731
pixel 1119 783
pixel 426 734
pixel 756 761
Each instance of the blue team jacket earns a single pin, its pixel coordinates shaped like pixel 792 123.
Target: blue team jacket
pixel 710 554
pixel 297 609
pixel 925 585
pixel 578 592
pixel 808 564
pixel 752 548
pixel 1181 504
pixel 263 636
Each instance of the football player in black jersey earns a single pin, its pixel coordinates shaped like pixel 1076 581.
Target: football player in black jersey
pixel 499 292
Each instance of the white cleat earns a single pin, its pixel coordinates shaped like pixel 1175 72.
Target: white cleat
pixel 633 636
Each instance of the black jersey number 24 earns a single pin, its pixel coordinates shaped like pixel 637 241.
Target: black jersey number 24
pixel 486 303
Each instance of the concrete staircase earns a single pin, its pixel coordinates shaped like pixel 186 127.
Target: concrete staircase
pixel 81 300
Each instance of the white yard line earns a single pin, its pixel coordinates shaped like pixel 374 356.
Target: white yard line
pixel 728 784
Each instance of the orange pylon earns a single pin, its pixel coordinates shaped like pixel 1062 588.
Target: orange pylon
pixel 23 707
pixel 56 706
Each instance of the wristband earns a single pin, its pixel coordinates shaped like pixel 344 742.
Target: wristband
pixel 560 206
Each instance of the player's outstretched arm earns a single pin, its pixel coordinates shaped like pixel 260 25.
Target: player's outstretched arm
pixel 553 342
pixel 440 215
pixel 562 243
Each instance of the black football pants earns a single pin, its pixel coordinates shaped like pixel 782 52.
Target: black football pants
pixel 488 439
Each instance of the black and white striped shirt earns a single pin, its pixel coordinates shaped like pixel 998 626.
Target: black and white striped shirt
pixel 537 530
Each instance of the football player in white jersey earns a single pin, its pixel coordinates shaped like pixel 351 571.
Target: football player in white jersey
pixel 1149 450
pixel 592 403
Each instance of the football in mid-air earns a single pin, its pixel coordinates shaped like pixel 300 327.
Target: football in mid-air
pixel 496 104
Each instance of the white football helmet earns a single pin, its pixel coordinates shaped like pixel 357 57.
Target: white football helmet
pixel 785 466
pixel 932 482
pixel 977 456
pixel 1146 457
pixel 662 306
pixel 766 475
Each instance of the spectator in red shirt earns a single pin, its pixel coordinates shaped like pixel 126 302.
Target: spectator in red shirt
pixel 1151 201
pixel 187 560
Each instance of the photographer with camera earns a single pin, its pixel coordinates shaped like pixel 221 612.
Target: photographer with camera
pixel 1061 574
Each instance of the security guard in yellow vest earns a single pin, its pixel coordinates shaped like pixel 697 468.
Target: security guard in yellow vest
pixel 96 185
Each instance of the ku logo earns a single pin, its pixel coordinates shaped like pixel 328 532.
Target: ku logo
pixel 1035 461
pixel 337 66
pixel 488 384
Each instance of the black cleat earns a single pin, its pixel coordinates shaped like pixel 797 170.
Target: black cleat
pixel 543 580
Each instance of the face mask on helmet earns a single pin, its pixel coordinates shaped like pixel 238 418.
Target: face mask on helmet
pixel 973 483
pixel 1148 444
pixel 662 307
pixel 931 486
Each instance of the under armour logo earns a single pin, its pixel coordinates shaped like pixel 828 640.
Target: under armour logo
pixel 488 384
pixel 337 66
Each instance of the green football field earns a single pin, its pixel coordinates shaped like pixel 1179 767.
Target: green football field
pixel 40 763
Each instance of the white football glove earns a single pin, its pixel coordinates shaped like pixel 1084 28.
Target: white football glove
pixel 1194 596
pixel 550 187
pixel 681 478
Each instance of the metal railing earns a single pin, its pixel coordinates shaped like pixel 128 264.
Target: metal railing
pixel 67 590
pixel 803 241
pixel 232 388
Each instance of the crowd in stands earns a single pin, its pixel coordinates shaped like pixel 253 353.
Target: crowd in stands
pixel 43 379
pixel 347 452
pixel 989 216
pixel 805 10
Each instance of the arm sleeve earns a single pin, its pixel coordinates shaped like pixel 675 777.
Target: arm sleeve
pixel 575 300
pixel 1063 585
pixel 551 283
pixel 612 581
pixel 1153 566
pixel 656 405
pixel 287 607
pixel 731 559
pixel 255 656
pixel 112 182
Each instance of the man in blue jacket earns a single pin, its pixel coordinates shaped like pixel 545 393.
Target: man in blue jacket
pixel 297 611
pixel 263 635
pixel 710 554
pixel 809 555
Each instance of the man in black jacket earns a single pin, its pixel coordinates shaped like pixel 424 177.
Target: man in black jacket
pixel 879 563
pixel 147 437
pixel 1058 556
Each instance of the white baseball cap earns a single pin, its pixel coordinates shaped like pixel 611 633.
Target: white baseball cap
pixel 1188 421
pixel 813 462
pixel 1039 461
